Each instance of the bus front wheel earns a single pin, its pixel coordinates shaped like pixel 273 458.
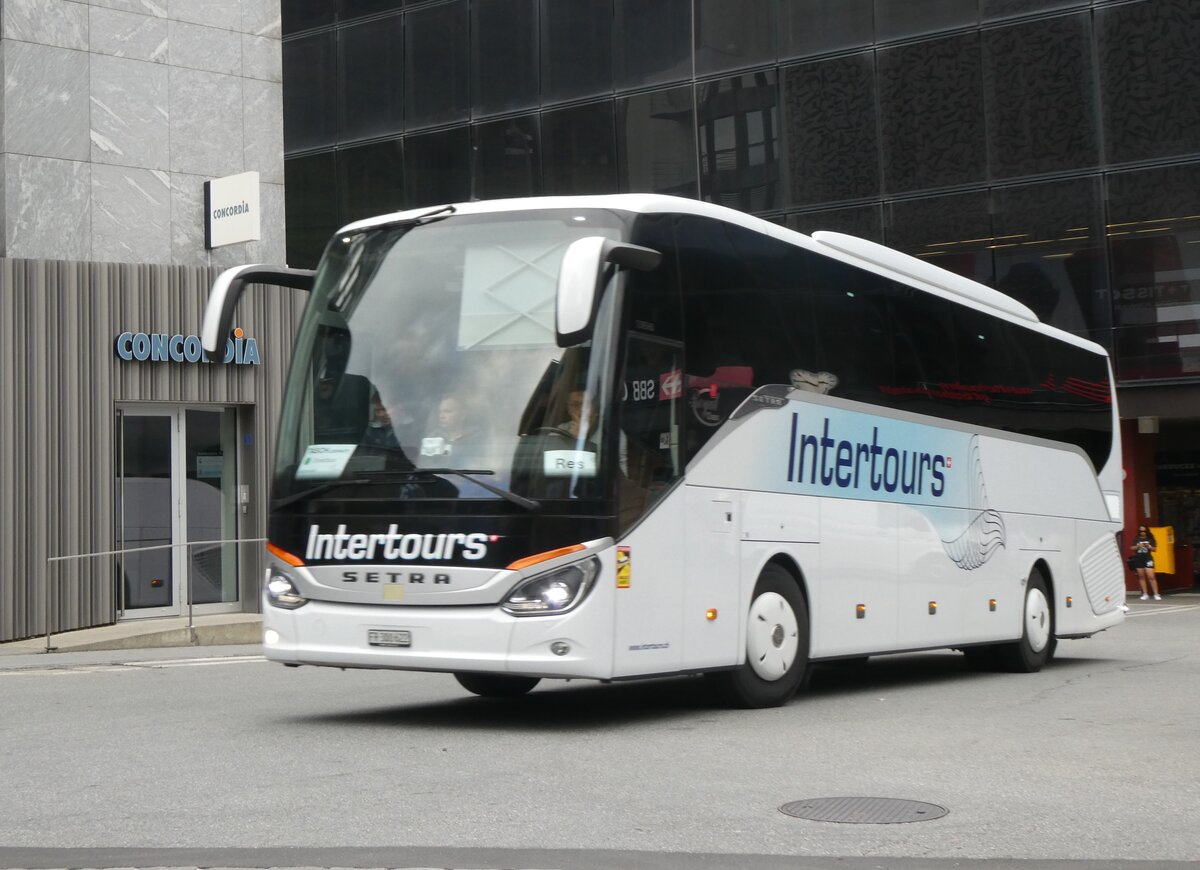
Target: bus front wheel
pixel 776 645
pixel 1037 643
pixel 496 685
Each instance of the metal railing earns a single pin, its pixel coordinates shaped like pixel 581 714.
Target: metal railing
pixel 53 559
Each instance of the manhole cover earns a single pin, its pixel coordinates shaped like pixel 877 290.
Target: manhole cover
pixel 863 810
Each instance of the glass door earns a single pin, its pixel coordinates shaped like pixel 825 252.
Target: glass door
pixel 210 508
pixel 176 486
pixel 146 513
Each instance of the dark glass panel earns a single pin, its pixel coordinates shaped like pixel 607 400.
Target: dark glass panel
pixel 357 8
pixel 1149 79
pixel 898 19
pixel 996 366
pixel 311 211
pixel 739 141
pixel 656 142
pixel 959 362
pixel 954 232
pixel 371 180
pixel 931 107
pixel 507 158
pixel 579 150
pixel 1049 251
pixel 998 9
pixel 925 349
pixel 436 64
pixel 864 221
pixel 747 320
pixel 652 42
pixel 820 26
pixel 1154 249
pixel 309 107
pixel 371 78
pixel 1038 97
pixel 504 55
pixel 576 49
pixel 732 35
pixel 145 510
pixel 297 15
pixel 853 336
pixel 830 127
pixel 437 168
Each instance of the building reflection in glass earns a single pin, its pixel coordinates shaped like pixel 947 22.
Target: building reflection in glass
pixel 738 121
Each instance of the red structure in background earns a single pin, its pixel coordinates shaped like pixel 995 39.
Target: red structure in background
pixel 1140 500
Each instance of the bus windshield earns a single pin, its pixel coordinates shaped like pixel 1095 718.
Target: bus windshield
pixel 426 367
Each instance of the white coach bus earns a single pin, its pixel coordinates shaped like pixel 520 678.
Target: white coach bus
pixel 629 436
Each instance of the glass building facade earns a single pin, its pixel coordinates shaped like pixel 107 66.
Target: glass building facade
pixel 1050 148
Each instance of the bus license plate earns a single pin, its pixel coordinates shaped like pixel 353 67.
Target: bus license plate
pixel 382 637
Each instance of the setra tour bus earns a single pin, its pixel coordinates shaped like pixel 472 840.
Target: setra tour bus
pixel 614 437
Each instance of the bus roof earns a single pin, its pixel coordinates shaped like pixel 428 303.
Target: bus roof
pixel 856 251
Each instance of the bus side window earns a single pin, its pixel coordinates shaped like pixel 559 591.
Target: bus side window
pixel 925 348
pixel 748 320
pixel 649 440
pixel 853 335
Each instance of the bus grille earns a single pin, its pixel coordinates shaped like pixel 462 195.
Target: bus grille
pixel 1103 575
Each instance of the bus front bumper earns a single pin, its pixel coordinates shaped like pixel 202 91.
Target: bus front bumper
pixel 482 639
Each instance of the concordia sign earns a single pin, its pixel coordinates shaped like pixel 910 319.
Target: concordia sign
pixel 231 210
pixel 143 347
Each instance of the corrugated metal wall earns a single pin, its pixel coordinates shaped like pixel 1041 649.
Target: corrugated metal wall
pixel 60 384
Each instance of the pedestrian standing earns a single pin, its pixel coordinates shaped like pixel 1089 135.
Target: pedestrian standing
pixel 1141 561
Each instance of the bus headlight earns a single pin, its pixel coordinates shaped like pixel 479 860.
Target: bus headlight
pixel 555 591
pixel 282 592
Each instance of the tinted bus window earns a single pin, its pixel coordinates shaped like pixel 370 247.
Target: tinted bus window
pixel 853 335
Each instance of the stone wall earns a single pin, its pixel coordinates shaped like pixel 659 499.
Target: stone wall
pixel 115 113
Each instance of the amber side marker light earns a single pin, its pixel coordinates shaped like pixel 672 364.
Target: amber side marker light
pixel 860 612
pixel 1070 601
pixel 992 605
pixel 710 614
pixel 544 557
pixel 280 553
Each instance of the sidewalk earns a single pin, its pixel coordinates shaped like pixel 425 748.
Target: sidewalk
pixel 219 630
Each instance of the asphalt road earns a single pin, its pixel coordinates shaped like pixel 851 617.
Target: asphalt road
pixel 213 757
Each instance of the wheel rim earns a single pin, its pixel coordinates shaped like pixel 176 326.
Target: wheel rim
pixel 773 636
pixel 1037 619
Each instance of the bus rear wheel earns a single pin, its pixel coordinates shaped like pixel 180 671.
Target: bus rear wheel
pixel 496 685
pixel 1037 643
pixel 776 645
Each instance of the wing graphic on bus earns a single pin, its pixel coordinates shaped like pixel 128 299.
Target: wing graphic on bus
pixel 984 534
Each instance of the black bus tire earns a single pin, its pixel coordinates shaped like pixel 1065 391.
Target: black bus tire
pixel 496 685
pixel 777 633
pixel 1037 643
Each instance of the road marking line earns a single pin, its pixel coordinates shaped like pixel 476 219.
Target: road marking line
pixel 127 667
pixel 1159 611
pixel 197 662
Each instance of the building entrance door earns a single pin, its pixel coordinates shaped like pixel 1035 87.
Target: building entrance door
pixel 176 500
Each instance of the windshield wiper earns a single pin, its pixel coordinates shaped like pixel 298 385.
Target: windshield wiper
pixel 470 474
pixel 437 214
pixel 316 490
pixel 416 473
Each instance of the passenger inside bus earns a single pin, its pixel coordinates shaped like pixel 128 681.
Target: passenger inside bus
pixel 457 440
pixel 380 431
pixel 577 401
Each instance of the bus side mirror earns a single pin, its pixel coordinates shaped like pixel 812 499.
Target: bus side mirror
pixel 586 268
pixel 218 315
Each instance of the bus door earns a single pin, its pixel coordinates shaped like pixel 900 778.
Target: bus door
pixel 650 582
